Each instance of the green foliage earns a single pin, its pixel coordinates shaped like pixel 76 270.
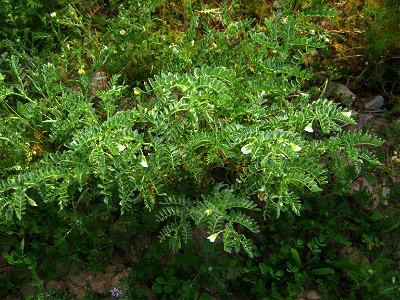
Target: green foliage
pixel 383 31
pixel 381 38
pixel 202 124
pixel 194 126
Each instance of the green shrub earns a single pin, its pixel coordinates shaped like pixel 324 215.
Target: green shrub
pixel 202 149
pixel 204 133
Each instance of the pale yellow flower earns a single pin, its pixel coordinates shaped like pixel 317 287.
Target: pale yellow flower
pixel 122 32
pixel 295 147
pixel 81 71
pixel 246 149
pixel 213 237
pixel 53 14
pixel 309 128
pixel 136 92
pixel 347 113
pixel 143 162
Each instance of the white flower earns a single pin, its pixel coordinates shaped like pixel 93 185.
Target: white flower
pixel 213 237
pixel 312 32
pixel 121 148
pixel 295 147
pixel 122 32
pixel 306 95
pixel 143 162
pixel 347 113
pixel 246 149
pixel 53 14
pixel 309 128
pixel 327 40
pixel 175 50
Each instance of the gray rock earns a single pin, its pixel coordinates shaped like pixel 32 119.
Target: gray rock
pixel 340 93
pixel 277 4
pixel 375 103
pixel 385 191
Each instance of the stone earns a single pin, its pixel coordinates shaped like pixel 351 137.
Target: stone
pixel 375 103
pixel 309 295
pixel 97 282
pixel 361 183
pixel 385 191
pixel 55 284
pixel 277 5
pixel 340 93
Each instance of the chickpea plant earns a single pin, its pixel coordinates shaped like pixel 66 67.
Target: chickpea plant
pixel 214 147
pixel 203 150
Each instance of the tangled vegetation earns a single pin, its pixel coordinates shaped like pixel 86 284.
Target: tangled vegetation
pixel 197 139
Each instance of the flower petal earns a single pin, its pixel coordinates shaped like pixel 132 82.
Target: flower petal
pixel 143 162
pixel 347 113
pixel 213 237
pixel 246 149
pixel 295 148
pixel 309 128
